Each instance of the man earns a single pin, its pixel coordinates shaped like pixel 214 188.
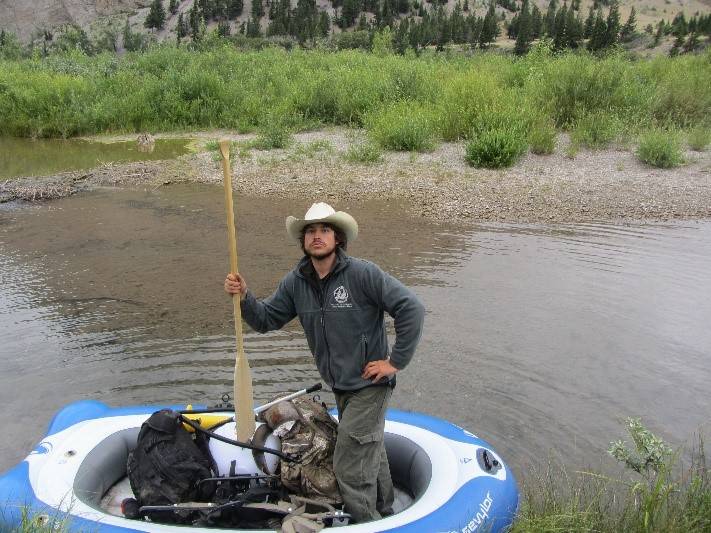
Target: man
pixel 340 302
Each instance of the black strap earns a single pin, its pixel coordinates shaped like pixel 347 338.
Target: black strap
pixel 247 445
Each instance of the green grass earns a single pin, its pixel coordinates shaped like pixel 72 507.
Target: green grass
pixel 364 152
pixel 273 135
pixel 699 138
pixel 541 138
pixel 311 149
pixel 497 147
pixel 653 492
pixel 660 148
pixel 596 130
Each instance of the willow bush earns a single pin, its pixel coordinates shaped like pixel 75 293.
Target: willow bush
pixel 169 88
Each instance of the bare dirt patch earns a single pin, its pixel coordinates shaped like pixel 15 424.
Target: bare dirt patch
pixel 594 185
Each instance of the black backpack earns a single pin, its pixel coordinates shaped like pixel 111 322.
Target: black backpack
pixel 167 464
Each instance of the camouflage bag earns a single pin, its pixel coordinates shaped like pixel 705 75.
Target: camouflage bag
pixel 307 432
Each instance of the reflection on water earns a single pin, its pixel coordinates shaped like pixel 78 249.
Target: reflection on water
pixel 42 157
pixel 538 338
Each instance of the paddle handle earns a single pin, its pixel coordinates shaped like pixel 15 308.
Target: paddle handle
pixel 244 400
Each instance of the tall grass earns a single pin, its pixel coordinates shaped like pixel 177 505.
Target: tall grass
pixel 596 130
pixel 407 126
pixel 699 138
pixel 660 148
pixel 170 88
pixel 653 493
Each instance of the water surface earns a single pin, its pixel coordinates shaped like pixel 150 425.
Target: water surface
pixel 539 338
pixel 20 157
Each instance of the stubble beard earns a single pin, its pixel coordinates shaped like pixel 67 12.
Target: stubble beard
pixel 320 255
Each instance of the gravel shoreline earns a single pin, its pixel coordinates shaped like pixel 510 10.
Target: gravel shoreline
pixel 594 185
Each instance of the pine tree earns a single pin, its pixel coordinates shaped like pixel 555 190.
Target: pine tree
pixel 658 36
pixel 589 22
pixel 549 21
pixel 223 28
pixel 156 15
pixel 180 28
pixel 257 12
pixel 173 7
pixel 560 37
pixel 457 24
pixel 253 29
pixel 400 36
pixel 489 28
pixel 323 28
pixel 597 37
pixel 630 28
pixel 524 31
pixel 197 24
pixel 676 47
pixel 350 12
pixel 536 22
pixel 613 25
pixel 573 30
pixel 386 15
pixel 693 24
pixel 466 6
pixel 475 26
pixel 512 30
pixel 234 8
pixel 692 43
pixel 679 26
pixel 362 23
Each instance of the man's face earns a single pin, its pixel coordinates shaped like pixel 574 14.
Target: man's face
pixel 319 240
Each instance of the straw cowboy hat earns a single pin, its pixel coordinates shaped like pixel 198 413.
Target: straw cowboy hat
pixel 323 213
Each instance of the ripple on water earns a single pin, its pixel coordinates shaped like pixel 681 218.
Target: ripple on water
pixel 539 338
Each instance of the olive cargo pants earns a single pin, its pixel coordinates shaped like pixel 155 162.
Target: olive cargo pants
pixel 359 460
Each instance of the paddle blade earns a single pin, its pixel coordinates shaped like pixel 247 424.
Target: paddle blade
pixel 244 410
pixel 225 150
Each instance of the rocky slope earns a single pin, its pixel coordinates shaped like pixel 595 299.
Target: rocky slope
pixel 27 18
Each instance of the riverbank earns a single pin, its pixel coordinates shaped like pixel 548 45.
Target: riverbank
pixel 608 184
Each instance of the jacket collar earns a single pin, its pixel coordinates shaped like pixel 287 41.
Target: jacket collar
pixel 305 265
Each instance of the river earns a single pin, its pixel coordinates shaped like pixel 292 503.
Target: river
pixel 538 338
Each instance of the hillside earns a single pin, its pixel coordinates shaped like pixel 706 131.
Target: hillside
pixel 29 19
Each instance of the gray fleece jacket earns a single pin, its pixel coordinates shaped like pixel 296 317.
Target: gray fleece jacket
pixel 342 317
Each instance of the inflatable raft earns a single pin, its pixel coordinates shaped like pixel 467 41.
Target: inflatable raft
pixel 451 480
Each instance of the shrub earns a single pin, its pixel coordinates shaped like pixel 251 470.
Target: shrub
pixel 351 39
pixel 542 137
pixel 660 148
pixel 366 152
pixel 463 101
pixel 274 133
pixel 403 126
pixel 683 95
pixel 596 130
pixel 496 148
pixel 699 138
pixel 575 85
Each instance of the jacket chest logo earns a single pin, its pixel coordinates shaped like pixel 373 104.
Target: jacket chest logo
pixel 340 298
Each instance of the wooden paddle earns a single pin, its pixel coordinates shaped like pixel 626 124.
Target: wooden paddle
pixel 244 402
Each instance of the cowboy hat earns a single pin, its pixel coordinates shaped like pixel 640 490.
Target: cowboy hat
pixel 321 212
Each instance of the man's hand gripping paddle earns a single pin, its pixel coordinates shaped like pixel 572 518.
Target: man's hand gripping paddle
pixel 244 401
